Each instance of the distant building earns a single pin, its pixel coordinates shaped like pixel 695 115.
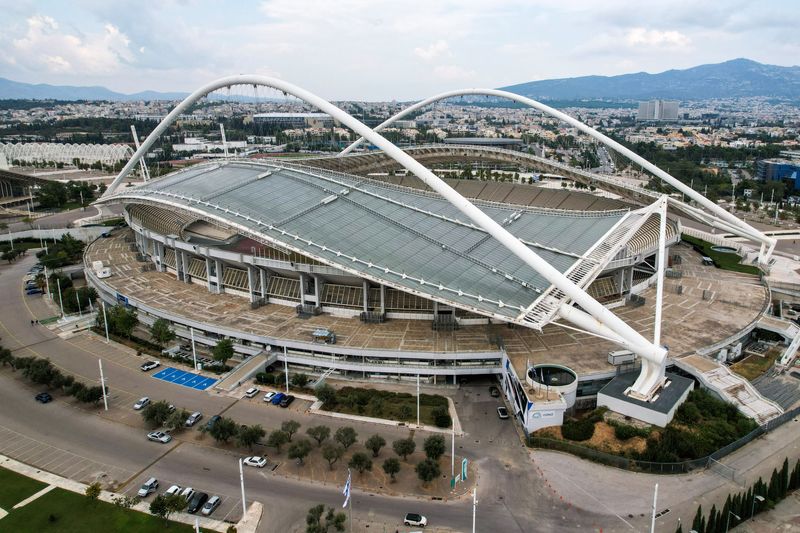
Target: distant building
pixel 485 141
pixel 658 110
pixel 778 170
pixel 295 120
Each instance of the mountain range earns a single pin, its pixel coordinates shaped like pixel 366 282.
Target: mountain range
pixel 730 79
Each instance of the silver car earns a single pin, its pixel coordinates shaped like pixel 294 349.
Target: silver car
pixel 142 403
pixel 193 418
pixel 212 503
pixel 159 436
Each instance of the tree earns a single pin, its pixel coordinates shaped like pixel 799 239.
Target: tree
pixel 391 466
pixel 441 417
pixel 299 450
pixel 404 447
pixel 375 443
pixel 346 436
pixel 177 420
pixel 93 491
pixel 315 523
pixel 428 470
pixel 276 439
pixel 290 427
pixel 332 452
pixel 224 429
pixel 121 320
pixel 156 413
pixel 434 447
pixel 299 380
pixel 319 433
pixel 161 332
pixel 164 506
pixel 91 395
pixel 360 462
pixel 223 350
pixel 249 435
pixel 326 394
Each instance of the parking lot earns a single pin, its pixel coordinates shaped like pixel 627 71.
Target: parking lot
pixel 182 377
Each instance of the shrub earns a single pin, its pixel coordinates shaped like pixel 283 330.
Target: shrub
pixel 625 432
pixel 578 430
pixel 441 417
pixel 299 380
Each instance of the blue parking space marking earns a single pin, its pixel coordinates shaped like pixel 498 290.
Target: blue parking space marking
pixel 187 379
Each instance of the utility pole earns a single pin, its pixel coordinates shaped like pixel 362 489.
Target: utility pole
pixel 241 481
pixel 103 384
pixel 105 319
pixel 653 520
pixel 474 506
pixel 194 351
pixel 417 399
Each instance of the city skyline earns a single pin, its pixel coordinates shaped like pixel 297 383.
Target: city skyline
pixel 359 50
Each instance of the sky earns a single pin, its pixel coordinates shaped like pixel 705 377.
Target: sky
pixel 381 50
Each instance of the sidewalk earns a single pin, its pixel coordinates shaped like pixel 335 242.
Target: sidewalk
pixel 248 524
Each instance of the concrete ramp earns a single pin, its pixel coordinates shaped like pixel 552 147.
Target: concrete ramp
pixel 786 328
pixel 246 370
pixel 731 387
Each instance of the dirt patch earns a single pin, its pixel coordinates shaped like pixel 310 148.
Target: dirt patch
pixel 603 440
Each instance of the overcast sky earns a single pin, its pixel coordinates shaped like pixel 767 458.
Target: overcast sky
pixel 380 50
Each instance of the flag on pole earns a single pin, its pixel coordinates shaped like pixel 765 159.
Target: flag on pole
pixel 346 490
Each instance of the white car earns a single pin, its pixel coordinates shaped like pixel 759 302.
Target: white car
pixel 212 503
pixel 142 403
pixel 251 392
pixel 414 519
pixel 187 493
pixel 149 365
pixel 193 418
pixel 159 436
pixel 256 461
pixel 149 486
pixel 173 490
pixel 269 396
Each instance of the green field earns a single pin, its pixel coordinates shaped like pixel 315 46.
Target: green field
pixel 62 511
pixel 14 488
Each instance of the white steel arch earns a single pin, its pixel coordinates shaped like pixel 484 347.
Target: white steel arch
pixel 737 226
pixel 594 317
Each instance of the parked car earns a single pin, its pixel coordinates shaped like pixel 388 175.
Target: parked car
pixel 187 493
pixel 212 503
pixel 174 489
pixel 494 392
pixel 196 503
pixel 35 290
pixel 251 392
pixel 287 401
pixel 414 519
pixel 149 365
pixel 502 412
pixel 256 461
pixel 269 396
pixel 44 397
pixel 141 403
pixel 276 400
pixel 193 418
pixel 149 486
pixel 159 436
pixel 211 421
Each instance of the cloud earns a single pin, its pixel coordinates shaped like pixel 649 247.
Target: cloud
pixel 655 38
pixel 453 73
pixel 434 50
pixel 44 47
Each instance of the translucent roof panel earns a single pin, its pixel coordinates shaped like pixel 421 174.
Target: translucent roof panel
pixel 409 239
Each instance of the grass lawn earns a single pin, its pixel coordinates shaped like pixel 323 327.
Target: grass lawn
pixel 722 260
pixel 68 512
pixel 14 488
pixel 753 366
pixel 400 406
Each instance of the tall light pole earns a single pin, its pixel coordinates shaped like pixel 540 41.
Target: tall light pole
pixel 418 399
pixel 653 519
pixel 474 506
pixel 728 521
pixel 60 300
pixel 453 454
pixel 753 507
pixel 105 319
pixel 194 351
pixel 286 368
pixel 103 384
pixel 47 282
pixel 77 298
pixel 11 238
pixel 241 481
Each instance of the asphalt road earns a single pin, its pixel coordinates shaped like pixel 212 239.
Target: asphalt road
pixel 111 446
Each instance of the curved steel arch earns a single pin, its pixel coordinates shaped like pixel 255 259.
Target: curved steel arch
pixel 594 316
pixel 743 229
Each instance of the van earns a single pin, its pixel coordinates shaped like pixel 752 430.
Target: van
pixel 149 486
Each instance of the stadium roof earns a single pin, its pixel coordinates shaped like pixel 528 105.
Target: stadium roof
pixel 409 239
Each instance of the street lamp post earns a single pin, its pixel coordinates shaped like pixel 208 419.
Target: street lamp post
pixel 753 507
pixel 417 399
pixel 103 384
pixel 105 319
pixel 728 521
pixel 194 351
pixel 241 481
pixel 474 506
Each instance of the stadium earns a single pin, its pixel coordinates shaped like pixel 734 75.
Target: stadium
pixel 322 266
